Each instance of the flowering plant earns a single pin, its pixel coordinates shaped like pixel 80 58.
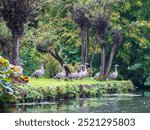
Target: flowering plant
pixel 10 76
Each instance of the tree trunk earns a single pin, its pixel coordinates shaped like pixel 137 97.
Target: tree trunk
pixel 94 49
pixel 85 45
pixel 109 64
pixel 103 55
pixel 15 49
pixel 103 60
pixel 82 47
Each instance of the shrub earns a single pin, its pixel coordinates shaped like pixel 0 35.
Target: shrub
pixel 9 79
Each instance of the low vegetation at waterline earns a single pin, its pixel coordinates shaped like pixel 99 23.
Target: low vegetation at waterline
pixel 51 89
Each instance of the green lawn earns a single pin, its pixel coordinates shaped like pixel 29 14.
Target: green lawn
pixel 43 82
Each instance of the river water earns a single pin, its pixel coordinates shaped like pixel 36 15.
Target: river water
pixel 117 103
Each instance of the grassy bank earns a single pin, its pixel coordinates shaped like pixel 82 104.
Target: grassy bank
pixel 51 89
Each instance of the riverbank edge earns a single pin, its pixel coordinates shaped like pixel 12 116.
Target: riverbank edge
pixel 29 94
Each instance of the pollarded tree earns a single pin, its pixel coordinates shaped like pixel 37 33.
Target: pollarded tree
pixel 16 13
pixel 101 24
pixel 82 21
pixel 116 41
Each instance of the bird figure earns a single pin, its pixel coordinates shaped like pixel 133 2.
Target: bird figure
pixel 90 72
pixel 80 74
pixel 97 74
pixel 85 73
pixel 40 72
pixel 114 74
pixel 62 74
pixel 73 75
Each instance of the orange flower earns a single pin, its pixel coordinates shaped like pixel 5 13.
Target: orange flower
pixel 26 79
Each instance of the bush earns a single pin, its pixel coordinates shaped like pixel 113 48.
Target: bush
pixel 9 79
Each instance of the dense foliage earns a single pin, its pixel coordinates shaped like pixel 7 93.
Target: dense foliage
pixel 9 79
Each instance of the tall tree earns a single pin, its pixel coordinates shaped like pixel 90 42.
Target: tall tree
pixel 116 41
pixel 16 13
pixel 82 21
pixel 101 25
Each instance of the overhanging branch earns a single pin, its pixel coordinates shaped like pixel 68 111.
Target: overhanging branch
pixel 53 54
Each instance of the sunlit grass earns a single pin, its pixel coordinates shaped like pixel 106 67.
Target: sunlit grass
pixel 45 82
pixel 41 82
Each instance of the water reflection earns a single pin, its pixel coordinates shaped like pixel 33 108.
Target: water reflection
pixel 114 104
